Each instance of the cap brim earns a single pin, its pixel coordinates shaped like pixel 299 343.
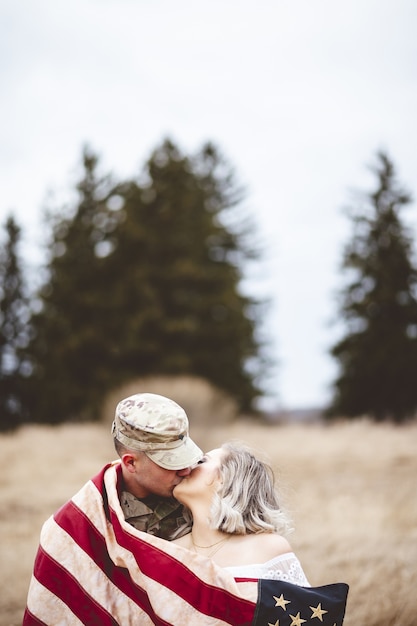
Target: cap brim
pixel 185 455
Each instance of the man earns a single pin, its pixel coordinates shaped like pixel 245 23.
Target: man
pixel 151 438
pixel 78 545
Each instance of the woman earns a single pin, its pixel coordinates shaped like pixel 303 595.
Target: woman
pixel 237 521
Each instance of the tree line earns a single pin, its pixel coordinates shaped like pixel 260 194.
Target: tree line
pixel 144 276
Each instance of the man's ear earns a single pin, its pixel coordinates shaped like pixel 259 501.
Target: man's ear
pixel 129 461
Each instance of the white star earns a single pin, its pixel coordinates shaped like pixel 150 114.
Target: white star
pixel 318 611
pixel 276 623
pixel 296 620
pixel 281 601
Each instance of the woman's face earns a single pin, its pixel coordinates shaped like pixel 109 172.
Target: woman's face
pixel 203 480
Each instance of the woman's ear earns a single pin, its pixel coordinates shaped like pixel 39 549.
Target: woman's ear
pixel 219 480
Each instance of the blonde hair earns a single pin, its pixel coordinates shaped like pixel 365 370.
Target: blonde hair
pixel 247 501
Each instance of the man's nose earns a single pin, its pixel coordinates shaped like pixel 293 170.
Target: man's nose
pixel 184 472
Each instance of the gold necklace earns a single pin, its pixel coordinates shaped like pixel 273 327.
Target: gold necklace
pixel 217 545
pixel 210 546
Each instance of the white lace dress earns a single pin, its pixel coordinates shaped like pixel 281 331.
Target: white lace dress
pixel 284 567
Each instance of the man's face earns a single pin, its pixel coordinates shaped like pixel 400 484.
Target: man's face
pixel 149 478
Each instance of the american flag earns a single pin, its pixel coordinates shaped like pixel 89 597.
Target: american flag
pixel 283 604
pixel 93 568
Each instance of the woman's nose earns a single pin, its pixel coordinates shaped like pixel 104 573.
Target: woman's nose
pixel 184 472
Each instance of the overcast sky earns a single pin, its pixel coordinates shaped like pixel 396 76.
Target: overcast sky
pixel 298 95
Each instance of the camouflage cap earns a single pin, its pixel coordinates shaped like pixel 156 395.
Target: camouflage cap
pixel 157 426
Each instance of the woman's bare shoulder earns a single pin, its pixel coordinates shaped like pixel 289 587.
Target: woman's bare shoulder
pixel 271 545
pixel 252 548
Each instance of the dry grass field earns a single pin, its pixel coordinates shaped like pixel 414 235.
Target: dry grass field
pixel 351 489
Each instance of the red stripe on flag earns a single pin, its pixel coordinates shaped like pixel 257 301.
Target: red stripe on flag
pixel 62 584
pixel 80 528
pixel 246 580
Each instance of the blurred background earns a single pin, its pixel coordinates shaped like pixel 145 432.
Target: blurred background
pixel 216 202
pixel 298 97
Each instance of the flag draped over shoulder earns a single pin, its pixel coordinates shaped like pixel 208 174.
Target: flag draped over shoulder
pixel 93 568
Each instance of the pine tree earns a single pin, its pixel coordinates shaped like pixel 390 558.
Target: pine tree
pixel 144 278
pixel 176 271
pixel 14 331
pixel 69 347
pixel 378 355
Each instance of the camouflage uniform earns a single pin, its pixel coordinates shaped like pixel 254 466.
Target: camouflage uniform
pixel 162 517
